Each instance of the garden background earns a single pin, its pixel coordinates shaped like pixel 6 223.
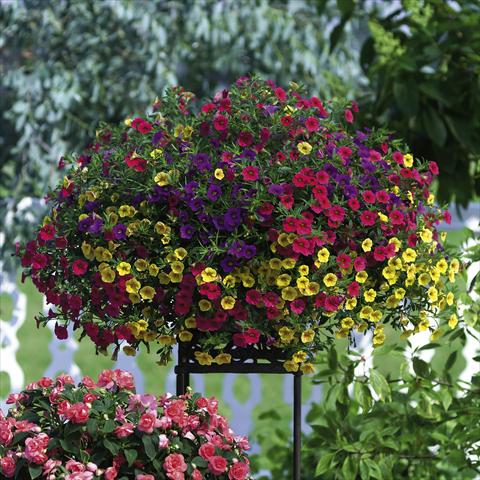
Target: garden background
pixel 66 65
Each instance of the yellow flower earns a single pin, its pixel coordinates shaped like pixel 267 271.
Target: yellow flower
pixel 133 285
pixel 453 321
pixel 156 153
pixel 330 280
pixel 299 357
pixel 382 217
pixel 229 281
pixel 342 333
pixel 408 160
pixel 396 242
pixel 286 334
pixel 163 278
pixel 432 294
pixel 424 279
pixel 134 298
pixel 147 293
pixel 307 368
pixel 289 293
pixel 389 272
pixel 124 211
pixel 222 358
pixel 442 266
pixel 288 263
pixel 312 289
pixel 361 277
pixel 203 358
pixel 177 267
pixel 399 293
pixel 392 301
pixel 161 228
pixel 431 199
pixel 149 336
pixel 455 265
pixel 308 336
pixel 367 245
pixel 303 270
pixel 347 323
pixel 167 340
pixel 376 316
pixel 450 298
pixel 180 253
pixel 161 179
pixel 436 334
pixel 409 255
pixel 365 312
pixel 323 255
pixel 219 175
pixel 190 322
pixel 351 303
pixel 87 251
pixel 204 305
pixel 185 336
pixel 153 270
pixel 378 339
pixel 370 295
pixel 209 275
pixel 283 280
pixel 426 235
pixel 227 302
pixel 302 282
pixel 304 148
pixel 290 366
pixel 108 275
pixel 129 351
pixel 124 268
pixel 141 264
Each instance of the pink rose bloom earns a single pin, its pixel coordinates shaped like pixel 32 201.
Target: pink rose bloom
pixel 124 379
pixel 50 466
pixel 64 378
pixel 75 467
pixel 147 422
pixel 111 473
pixel 6 434
pixel 176 410
pixel 197 475
pixel 7 466
pixel 175 463
pixel 207 451
pixel 165 423
pixel 163 441
pixel 238 471
pixel 217 465
pixel 176 475
pixel 79 476
pixel 79 413
pixel 124 430
pixel 35 449
pixel 144 476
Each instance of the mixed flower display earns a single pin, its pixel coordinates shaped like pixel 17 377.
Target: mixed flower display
pixel 261 218
pixel 104 430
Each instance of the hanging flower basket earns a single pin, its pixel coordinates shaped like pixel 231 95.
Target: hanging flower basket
pixel 104 430
pixel 263 218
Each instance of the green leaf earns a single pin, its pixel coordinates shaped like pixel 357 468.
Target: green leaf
pixel 92 426
pixel 434 91
pixel 446 398
pixel 113 448
pixel 379 384
pixel 150 447
pixel 34 471
pixel 323 464
pixel 109 426
pixel 451 360
pixel 350 468
pixel 130 455
pixel 332 359
pixel 200 462
pixel 346 7
pixel 420 367
pixel 406 96
pixel 434 126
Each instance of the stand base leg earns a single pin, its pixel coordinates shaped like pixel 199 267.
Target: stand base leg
pixel 297 425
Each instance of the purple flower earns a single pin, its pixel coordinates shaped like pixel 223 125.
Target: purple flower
pixel 157 137
pixel 276 189
pixel 270 109
pixel 201 161
pixel 228 263
pixel 83 225
pixel 214 192
pixel 233 218
pixel 187 231
pixel 91 206
pixel 96 226
pixel 196 204
pixel 119 231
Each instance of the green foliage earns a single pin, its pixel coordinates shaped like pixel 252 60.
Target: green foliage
pixel 421 425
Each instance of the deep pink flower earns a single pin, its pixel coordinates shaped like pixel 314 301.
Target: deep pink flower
pixel 433 167
pixel 348 116
pixel 220 122
pixel 238 471
pixel 175 462
pixel 80 267
pixel 368 218
pixel 250 173
pixel 217 464
pixel 7 466
pixel 312 124
pixel 47 232
pixel 245 139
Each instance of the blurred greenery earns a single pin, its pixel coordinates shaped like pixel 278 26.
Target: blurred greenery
pixel 421 424
pixel 67 64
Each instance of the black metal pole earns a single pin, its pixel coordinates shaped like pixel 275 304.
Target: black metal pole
pixel 297 424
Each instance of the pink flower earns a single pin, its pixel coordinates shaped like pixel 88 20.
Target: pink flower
pixel 144 476
pixel 368 218
pixel 163 441
pixel 250 173
pixel 81 476
pixel 111 473
pixel 359 264
pixel 124 430
pixel 36 448
pixel 74 466
pixel 7 466
pixel 245 139
pixel 197 475
pixel 220 122
pixel 312 124
pixel 78 413
pixel 175 462
pixel 206 451
pixel 396 217
pixel 348 116
pixel 344 261
pixel 50 466
pixel 238 471
pixel 433 167
pixel 217 464
pixel 47 232
pixel 147 422
pixel 6 434
pixel 79 267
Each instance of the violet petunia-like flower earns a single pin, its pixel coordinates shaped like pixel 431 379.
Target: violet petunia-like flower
pixel 96 226
pixel 187 231
pixel 214 192
pixel 119 231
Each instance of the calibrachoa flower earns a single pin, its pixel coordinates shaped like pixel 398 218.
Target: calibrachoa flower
pixel 50 433
pixel 266 215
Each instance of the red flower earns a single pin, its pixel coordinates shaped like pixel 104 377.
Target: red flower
pixel 344 261
pixel 348 116
pixel 359 264
pixel 396 217
pixel 245 139
pixel 79 267
pixel 382 196
pixel 353 289
pixel 280 94
pixel 47 232
pixel 286 120
pixel 220 122
pixel 368 218
pixel 322 177
pixel 354 204
pixel 145 127
pixel 250 173
pixel 217 465
pixel 368 196
pixel 312 124
pixel 336 213
pixel 39 261
pixel 433 167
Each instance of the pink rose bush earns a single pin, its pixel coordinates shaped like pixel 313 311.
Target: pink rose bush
pixel 58 430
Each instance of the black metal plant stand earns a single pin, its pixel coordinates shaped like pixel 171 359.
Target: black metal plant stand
pixel 246 360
